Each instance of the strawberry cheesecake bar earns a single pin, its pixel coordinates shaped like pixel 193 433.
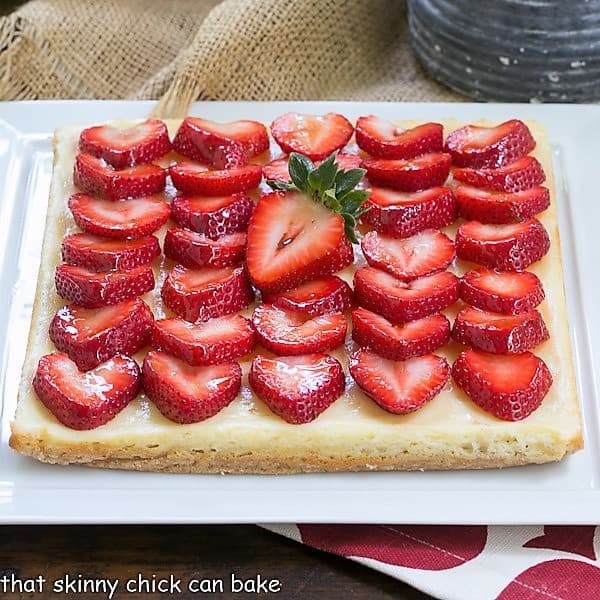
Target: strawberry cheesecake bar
pixel 316 295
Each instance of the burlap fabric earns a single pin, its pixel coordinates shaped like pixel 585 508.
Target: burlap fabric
pixel 180 50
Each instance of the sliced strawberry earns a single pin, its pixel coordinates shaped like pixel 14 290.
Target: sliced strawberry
pixel 141 143
pixel 297 388
pixel 119 219
pixel 314 136
pixel 198 295
pixel 421 254
pixel 384 139
pixel 186 394
pixel 191 178
pixel 399 342
pixel 93 176
pixel 524 173
pixel 211 342
pixel 508 387
pixel 215 217
pixel 194 250
pixel 277 170
pixel 499 334
pixel 291 333
pixel 400 387
pixel 501 207
pixel 292 239
pixel 99 254
pixel 317 297
pixel 221 145
pixel 92 290
pixel 92 335
pixel 399 301
pixel 86 400
pixel 401 214
pixel 503 247
pixel 507 293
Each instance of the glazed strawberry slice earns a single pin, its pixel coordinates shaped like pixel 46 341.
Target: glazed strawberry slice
pixel 409 258
pixel 195 250
pixel 211 342
pixel 409 175
pixel 499 334
pixel 291 333
pixel 119 219
pixel 508 387
pixel 277 170
pixel 221 145
pixel 91 336
pixel 314 136
pixel 186 394
pixel 400 387
pixel 317 297
pixel 292 239
pixel 399 342
pixel 198 295
pixel 382 138
pixel 99 254
pixel 215 217
pixel 524 173
pixel 297 388
pixel 141 143
pixel 401 214
pixel 192 178
pixel 488 147
pixel 507 293
pixel 86 400
pixel 503 247
pixel 399 301
pixel 93 176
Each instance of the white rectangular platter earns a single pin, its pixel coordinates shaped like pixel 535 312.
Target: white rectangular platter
pixel 564 493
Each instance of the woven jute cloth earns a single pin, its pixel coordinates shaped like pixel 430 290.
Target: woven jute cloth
pixel 181 50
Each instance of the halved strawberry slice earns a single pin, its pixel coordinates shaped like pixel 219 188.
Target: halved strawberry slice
pixel 421 254
pixel 503 247
pixel 292 239
pixel 221 145
pixel 508 293
pixel 524 173
pixel 278 170
pixel 186 394
pixel 141 143
pixel 92 335
pixel 476 147
pixel 297 388
pixel 291 333
pixel 409 175
pixel 198 295
pixel 399 342
pixel 399 301
pixel 192 178
pixel 384 139
pixel 402 214
pixel 93 176
pixel 86 400
pixel 215 217
pixel 211 342
pixel 400 387
pixel 92 290
pixel 508 387
pixel 194 250
pixel 499 334
pixel 314 136
pixel 119 219
pixel 317 297
pixel 99 254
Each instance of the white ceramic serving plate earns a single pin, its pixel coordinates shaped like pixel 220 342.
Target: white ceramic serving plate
pixel 564 493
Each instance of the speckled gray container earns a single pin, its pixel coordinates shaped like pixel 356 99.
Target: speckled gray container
pixel 511 50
